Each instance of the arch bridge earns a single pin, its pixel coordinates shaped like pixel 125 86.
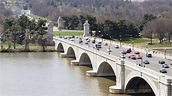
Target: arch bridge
pixel 130 78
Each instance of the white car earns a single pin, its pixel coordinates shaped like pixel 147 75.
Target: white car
pixel 116 46
pixel 122 56
pixel 109 50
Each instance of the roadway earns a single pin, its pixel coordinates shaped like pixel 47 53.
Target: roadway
pixel 153 62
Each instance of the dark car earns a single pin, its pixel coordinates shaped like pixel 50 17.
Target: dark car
pixel 149 55
pixel 163 70
pixel 161 62
pixel 133 57
pixel 123 52
pixel 146 62
pixel 165 66
pixel 80 41
pixel 93 41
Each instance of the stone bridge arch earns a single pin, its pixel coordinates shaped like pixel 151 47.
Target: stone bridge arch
pixel 85 60
pixel 138 84
pixel 71 53
pixel 60 47
pixel 105 69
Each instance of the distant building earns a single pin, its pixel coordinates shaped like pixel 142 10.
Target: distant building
pixel 25 12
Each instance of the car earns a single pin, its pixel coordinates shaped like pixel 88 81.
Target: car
pixel 165 66
pixel 116 46
pixel 86 42
pixel 128 51
pixel 71 39
pixel 123 52
pixel 65 37
pixel 139 57
pixel 146 62
pixel 93 41
pixel 163 70
pixel 131 56
pixel 149 55
pixel 137 52
pixel 109 50
pixel 86 39
pixel 99 45
pixel 161 62
pixel 80 41
pixel 122 56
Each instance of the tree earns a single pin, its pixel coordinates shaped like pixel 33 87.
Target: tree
pixel 160 29
pixel 148 30
pixel 42 30
pixel 168 24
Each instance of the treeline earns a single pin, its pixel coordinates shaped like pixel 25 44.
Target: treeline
pixel 109 29
pixel 150 27
pixel 24 31
pixel 101 9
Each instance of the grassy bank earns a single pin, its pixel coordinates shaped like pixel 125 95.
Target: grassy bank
pixel 68 33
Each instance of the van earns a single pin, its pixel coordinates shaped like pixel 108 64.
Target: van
pixel 99 44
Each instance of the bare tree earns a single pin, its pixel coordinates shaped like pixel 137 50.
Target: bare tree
pixel 160 28
pixel 148 30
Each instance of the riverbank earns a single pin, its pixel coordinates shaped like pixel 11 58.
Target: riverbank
pixel 31 49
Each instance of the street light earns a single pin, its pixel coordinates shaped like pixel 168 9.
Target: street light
pixel 165 52
pixel 120 40
pixel 102 38
pixel 133 45
pixel 109 50
pixel 146 49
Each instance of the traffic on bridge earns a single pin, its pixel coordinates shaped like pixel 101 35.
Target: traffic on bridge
pixel 139 57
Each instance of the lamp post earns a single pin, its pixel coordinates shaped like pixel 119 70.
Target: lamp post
pixel 120 40
pixel 146 49
pixel 102 38
pixel 165 53
pixel 109 50
pixel 133 45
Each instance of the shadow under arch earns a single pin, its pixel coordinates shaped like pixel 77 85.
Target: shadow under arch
pixel 71 53
pixel 60 48
pixel 106 70
pixel 138 85
pixel 85 60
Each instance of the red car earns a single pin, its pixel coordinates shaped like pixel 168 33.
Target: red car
pixel 137 52
pixel 131 56
pixel 139 57
pixel 128 51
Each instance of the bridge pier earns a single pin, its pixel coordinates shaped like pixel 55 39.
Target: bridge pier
pixel 120 81
pixel 116 89
pixel 63 55
pixel 91 73
pixel 75 62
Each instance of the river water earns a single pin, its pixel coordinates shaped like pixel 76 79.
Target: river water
pixel 47 74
